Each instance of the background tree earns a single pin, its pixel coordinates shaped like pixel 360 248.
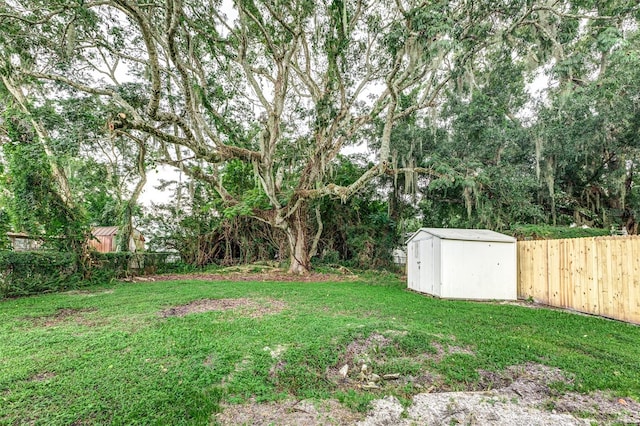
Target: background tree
pixel 359 232
pixel 275 90
pixel 484 153
pixel 87 169
pixel 317 74
pixel 191 223
pixel 33 202
pixel 503 160
pixel 586 135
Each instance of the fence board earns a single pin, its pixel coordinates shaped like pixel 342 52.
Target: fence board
pixel 607 296
pixel 525 272
pixel 580 265
pixel 594 275
pixel 566 298
pixel 625 268
pixel 554 274
pixel 591 272
pixel 540 271
pixel 634 297
pixel 617 284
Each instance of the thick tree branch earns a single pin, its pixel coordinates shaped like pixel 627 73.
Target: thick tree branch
pixel 147 34
pixel 44 140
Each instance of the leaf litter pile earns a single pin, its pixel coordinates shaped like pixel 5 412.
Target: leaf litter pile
pixel 276 275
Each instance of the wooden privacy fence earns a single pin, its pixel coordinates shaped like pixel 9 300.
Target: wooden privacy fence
pixel 599 276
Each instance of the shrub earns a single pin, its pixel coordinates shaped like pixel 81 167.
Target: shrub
pixel 548 232
pixel 108 266
pixel 24 273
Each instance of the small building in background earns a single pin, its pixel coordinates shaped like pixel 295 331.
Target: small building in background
pixel 462 264
pixel 105 239
pixel 23 242
pixel 399 257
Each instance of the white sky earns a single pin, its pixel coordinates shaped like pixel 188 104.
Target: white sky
pixel 151 193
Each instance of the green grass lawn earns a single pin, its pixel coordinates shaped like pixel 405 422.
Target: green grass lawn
pixel 107 355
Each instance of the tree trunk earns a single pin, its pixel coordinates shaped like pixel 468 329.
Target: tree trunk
pixel 127 220
pixel 64 189
pixel 550 180
pixel 298 238
pixel 126 230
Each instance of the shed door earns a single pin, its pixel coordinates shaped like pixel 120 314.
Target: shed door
pixel 413 265
pixel 425 266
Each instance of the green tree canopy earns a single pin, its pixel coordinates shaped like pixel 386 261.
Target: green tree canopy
pixel 279 88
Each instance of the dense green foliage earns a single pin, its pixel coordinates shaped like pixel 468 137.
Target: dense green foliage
pixel 29 273
pixel 5 226
pixel 26 273
pixel 106 354
pixel 60 174
pixel 358 232
pixel 32 201
pixel 192 224
pixel 548 232
pixel 474 115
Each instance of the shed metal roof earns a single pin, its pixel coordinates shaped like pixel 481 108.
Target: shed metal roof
pixel 100 231
pixel 465 235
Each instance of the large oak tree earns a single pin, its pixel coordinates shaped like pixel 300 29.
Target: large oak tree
pixel 282 86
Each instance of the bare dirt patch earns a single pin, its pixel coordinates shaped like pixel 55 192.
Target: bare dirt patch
pixel 600 406
pixel 445 350
pixel 65 315
pixel 522 394
pixel 358 365
pixel 249 307
pixel 41 377
pixel 352 366
pixel 210 361
pixel 468 408
pixel 528 399
pixel 288 413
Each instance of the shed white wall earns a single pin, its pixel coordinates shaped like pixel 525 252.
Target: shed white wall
pixel 436 287
pixel 478 270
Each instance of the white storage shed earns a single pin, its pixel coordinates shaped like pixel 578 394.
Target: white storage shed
pixel 462 264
